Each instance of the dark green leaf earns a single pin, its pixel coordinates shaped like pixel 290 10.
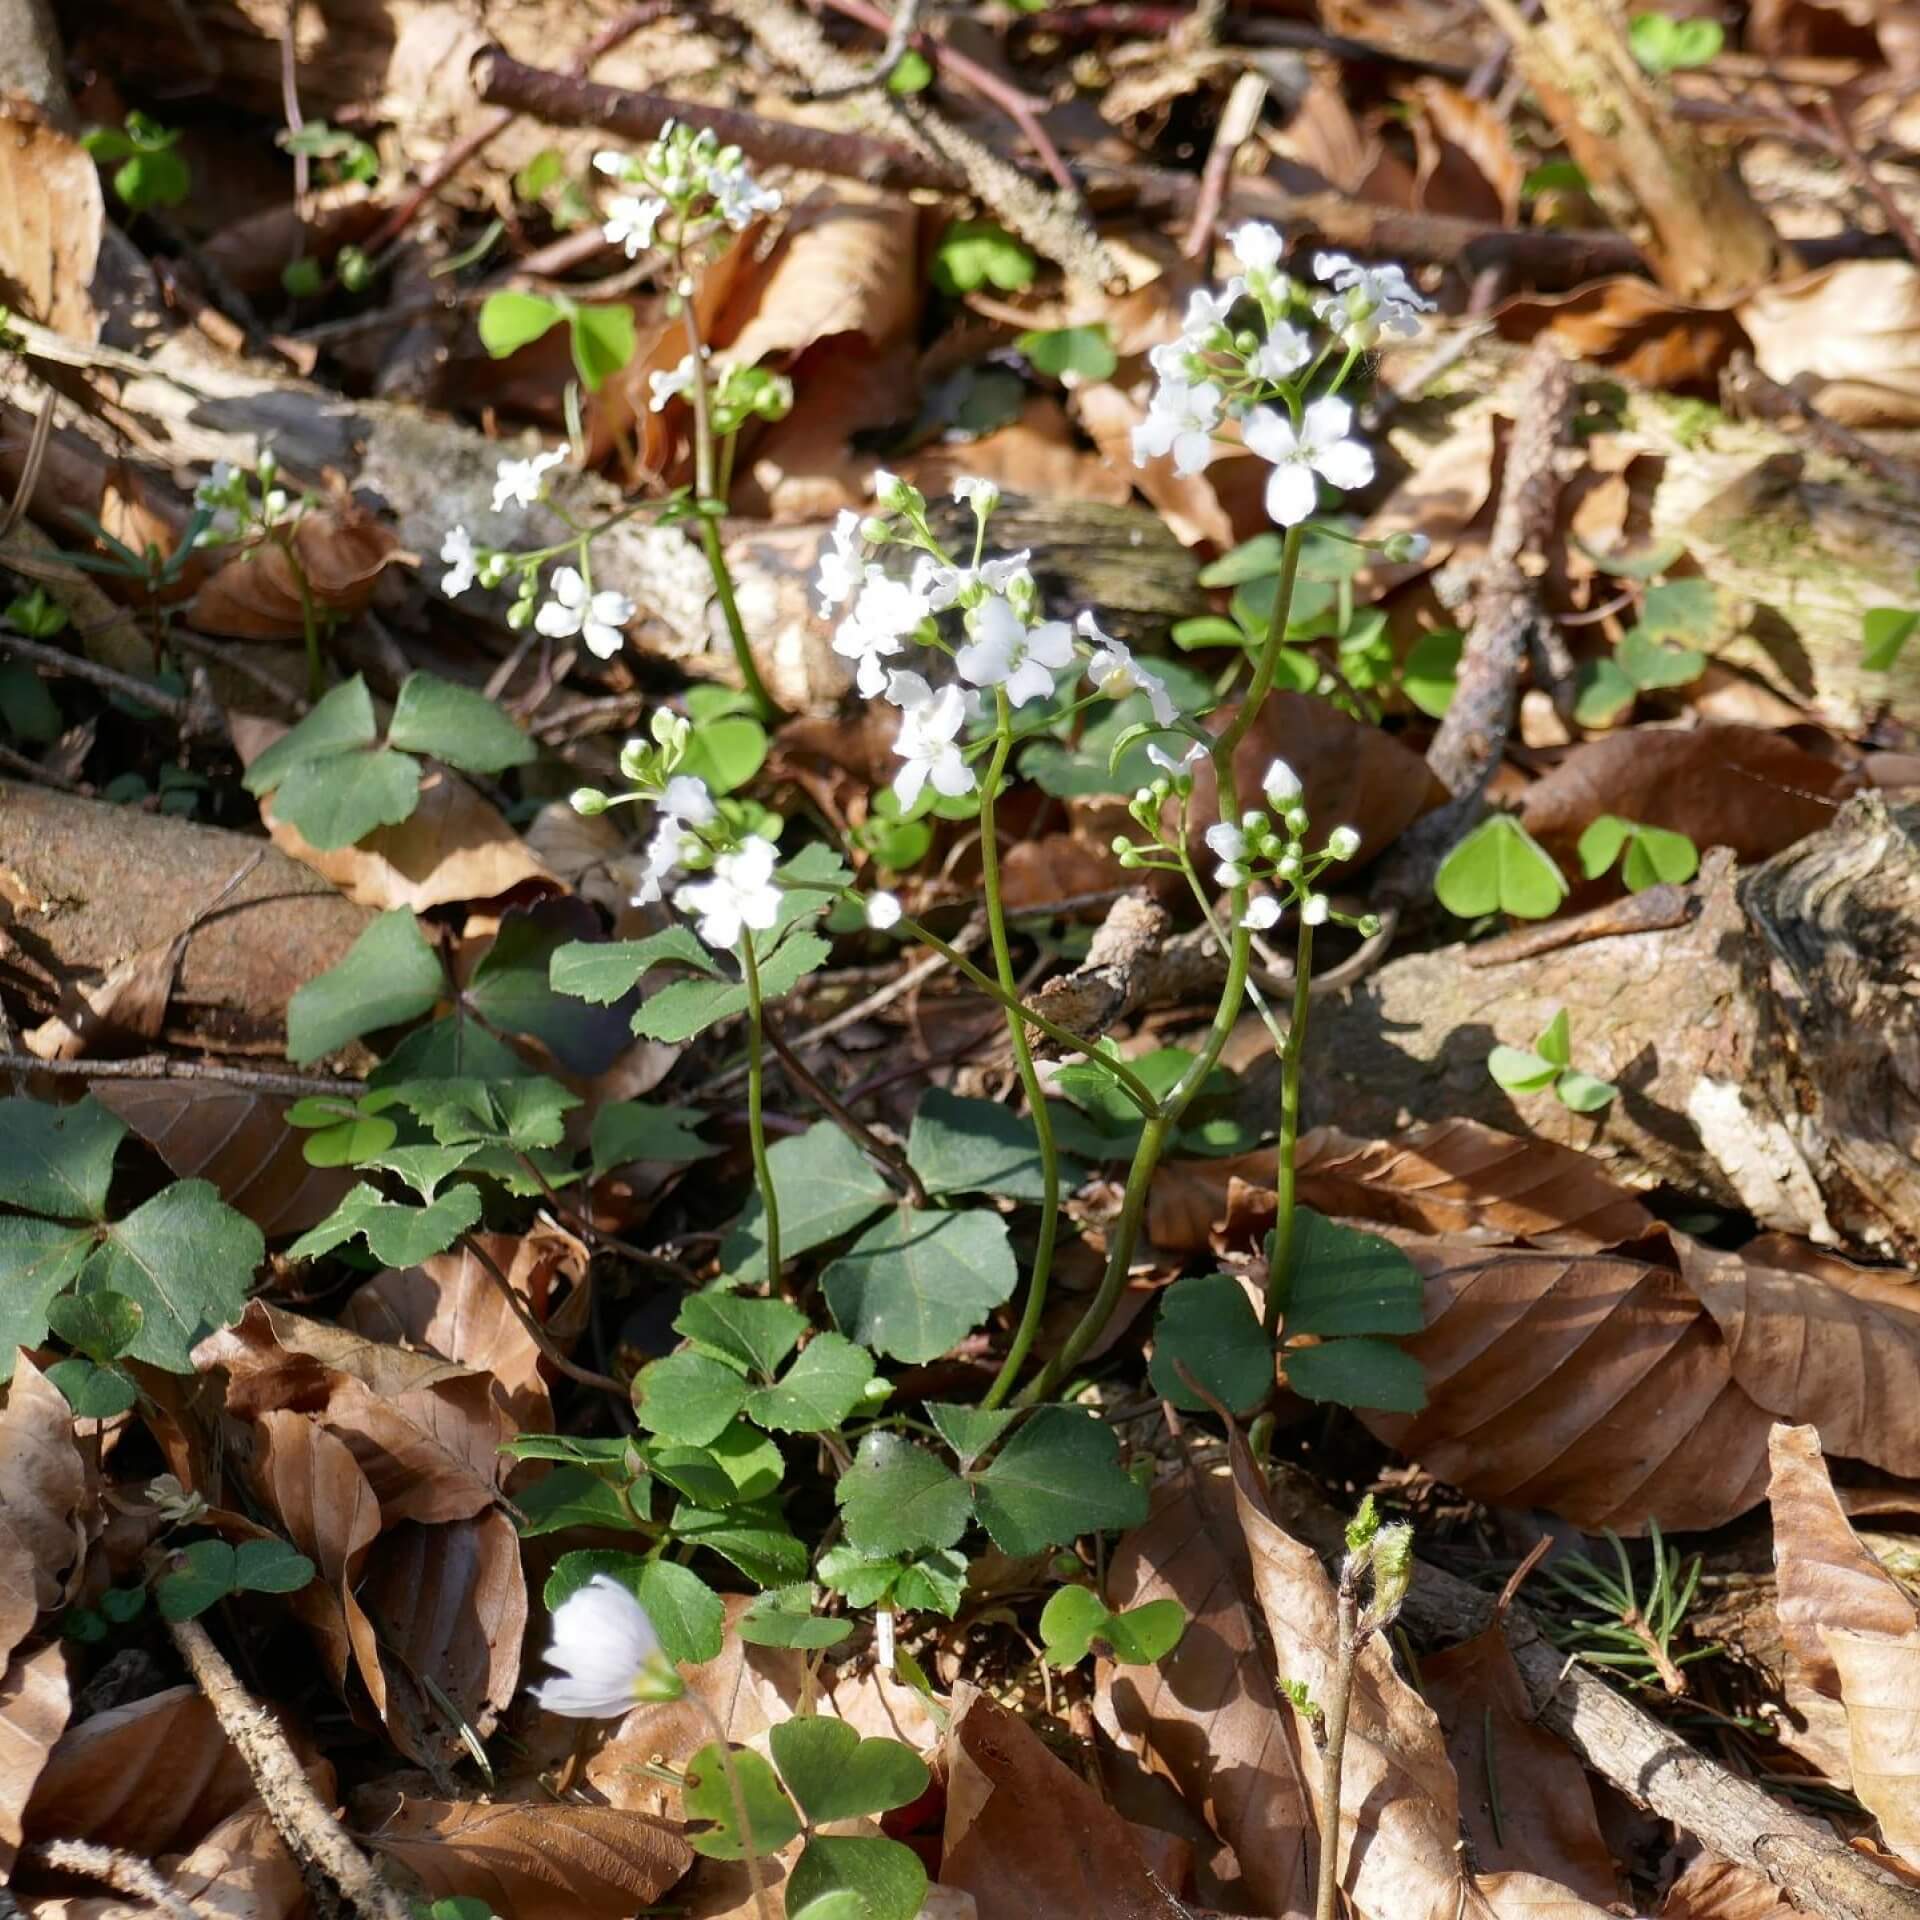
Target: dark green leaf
pixel 820 1389
pixel 837 1879
pixel 686 1613
pixel 836 1775
pixel 204 1576
pixel 58 1160
pixel 1208 1325
pixel 688 1397
pixel 572 1496
pixel 1358 1373
pixel 915 1284
pixel 457 725
pixel 755 1538
pixel 688 1007
pixel 741 1465
pixel 342 722
pixel 969 1431
pixel 389 974
pixel 978 1146
pixel 629 1130
pixel 186 1259
pixel 825 1187
pixel 337 803
pixel 39 1260
pixel 1059 1476
pixel 270 1566
pixel 755 1335
pixel 608 970
pixel 897 1497
pixel 396 1235
pixel 512 991
pixel 1345 1281
pixel 94 1393
pixel 100 1324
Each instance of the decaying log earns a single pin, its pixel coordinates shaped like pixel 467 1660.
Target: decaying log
pixel 1767 1051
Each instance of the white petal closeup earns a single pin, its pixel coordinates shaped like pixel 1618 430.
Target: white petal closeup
pixel 1262 913
pixel 883 911
pixel 741 893
pixel 521 481
pixel 457 551
pixel 608 1656
pixel 928 743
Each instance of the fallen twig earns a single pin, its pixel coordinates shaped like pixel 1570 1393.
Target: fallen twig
pixel 163 1066
pixel 124 1872
pixel 1238 120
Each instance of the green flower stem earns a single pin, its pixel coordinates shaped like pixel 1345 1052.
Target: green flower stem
pixel 1267 666
pixel 1290 1057
pixel 1036 1301
pixel 309 622
pixel 1146 1162
pixel 703 486
pixel 756 1876
pixel 756 1118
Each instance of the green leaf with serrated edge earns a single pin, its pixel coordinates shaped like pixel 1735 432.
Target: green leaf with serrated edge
pixel 969 1431
pixel 627 1130
pixel 100 1324
pixel 1657 857
pixel 457 725
pixel 837 1775
pixel 713 1822
pixel 451 1048
pixel 897 1497
pixel 604 971
pixel 1600 845
pixel 1057 1477
pixel 756 1335
pixel 932 1582
pixel 688 1397
pixel 510 320
pixel 602 339
pixel 726 753
pixel 1344 1281
pixel 1209 1326
pixel 1499 867
pixel 885 1877
pixel 1651 665
pixel 396 1235
pixel 978 1146
pixel 524 1115
pixel 58 1161
pixel 1582 1093
pixel 784 1617
pixel 1520 1070
pixel 916 1284
pixel 689 1007
pixel 341 722
pixel 756 1539
pixel 1358 1373
pixel 270 1566
pixel 825 1187
pixel 186 1259
pixel 388 975
pixel 1085 352
pixel 425 1169
pixel 1884 633
pixel 818 1391
pixel 94 1393
pixel 739 1465
pixel 204 1576
pixel 1680 610
pixel 1431 670
pixel 1075 1618
pixel 1556 1040
pixel 39 1260
pixel 686 1613
pixel 337 803
pixel 1602 693
pixel 572 1496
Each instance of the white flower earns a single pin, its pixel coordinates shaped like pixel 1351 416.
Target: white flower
pixel 906 689
pixel 739 196
pixel 686 798
pixel 884 612
pixel 457 551
pixel 842 569
pixel 1207 312
pixel 1180 420
pixel 522 481
pixel 1115 671
pixel 942 586
pixel 1285 351
pixel 1257 246
pixel 596 617
pixel 1367 301
pixel 926 742
pixel 982 495
pixel 1314 911
pixel 740 894
pixel 617 165
pixel 1261 913
pixel 1180 768
pixel 667 852
pixel 1173 360
pixel 1343 842
pixel 1005 652
pixel 663 387
pixel 608 1655
pixel 1280 784
pixel 1321 445
pixel 883 911
pixel 1229 845
pixel 630 223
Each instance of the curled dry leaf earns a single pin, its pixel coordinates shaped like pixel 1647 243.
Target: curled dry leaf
pixel 150 1777
pixel 34 1702
pixel 235 1138
pixel 1716 1889
pixel 1851 1634
pixel 1738 787
pixel 1027 1837
pixel 242 1867
pixel 1467 162
pixel 1848 337
pixel 535 1861
pixel 1209 1716
pixel 51 218
pixel 1652 338
pixel 43 1486
pixel 341 551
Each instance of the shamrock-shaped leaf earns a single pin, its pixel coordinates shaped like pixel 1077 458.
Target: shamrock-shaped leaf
pixel 856 1877
pixel 1653 854
pixel 100 1324
pixel 784 1617
pixel 713 1821
pixel 1075 1620
pixel 1500 868
pixel 836 1775
pixel 928 1582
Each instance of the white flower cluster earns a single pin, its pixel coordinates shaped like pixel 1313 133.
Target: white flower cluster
pixel 690 176
pixel 1002 645
pixel 1260 375
pixel 235 511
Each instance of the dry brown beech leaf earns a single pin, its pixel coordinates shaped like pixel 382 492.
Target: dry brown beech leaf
pixel 43 1486
pixel 1716 1889
pixel 1647 336
pixel 1037 454
pixel 1444 495
pixel 34 1702
pixel 235 1138
pixel 150 1777
pixel 1467 162
pixel 1738 787
pixel 1852 1634
pixel 536 1861
pixel 51 218
pixel 1057 866
pixel 1594 1385
pixel 1209 1715
pixel 1026 1836
pixel 1847 336
pixel 256 595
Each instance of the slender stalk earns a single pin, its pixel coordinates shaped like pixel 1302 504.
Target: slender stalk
pixel 1284 1177
pixel 762 1902
pixel 1262 684
pixel 1029 1327
pixel 756 1118
pixel 703 486
pixel 1146 1161
pixel 309 623
pixel 1333 1754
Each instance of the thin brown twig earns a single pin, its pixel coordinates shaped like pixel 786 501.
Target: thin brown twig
pixel 113 1867
pixel 162 1066
pixel 890 1157
pixel 541 1338
pixel 1238 120
pixel 30 769
pixel 172 705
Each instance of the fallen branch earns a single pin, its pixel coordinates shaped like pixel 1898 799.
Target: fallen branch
pixel 125 1873
pixel 163 1066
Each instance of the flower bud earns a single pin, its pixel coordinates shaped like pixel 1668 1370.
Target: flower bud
pixel 893 493
pixel 1367 925
pixel 1120 845
pixel 1406 548
pixel 883 911
pixel 875 531
pixel 1295 820
pixel 636 762
pixel 1128 860
pixel 1343 842
pixel 520 615
pixel 588 800
pixel 1315 909
pixel 1280 784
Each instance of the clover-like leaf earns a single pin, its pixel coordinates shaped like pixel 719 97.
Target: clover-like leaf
pixel 713 1823
pixel 836 1775
pixel 1075 1620
pixel 457 725
pixel 100 1324
pixel 1500 868
pixel 844 1878
pixel 784 1617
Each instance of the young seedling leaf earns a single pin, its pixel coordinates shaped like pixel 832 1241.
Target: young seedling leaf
pixel 1075 1620
pixel 1582 1093
pixel 1520 1070
pixel 1659 857
pixel 1208 1326
pixel 1500 867
pixel 836 1775
pixel 1556 1040
pixel 510 320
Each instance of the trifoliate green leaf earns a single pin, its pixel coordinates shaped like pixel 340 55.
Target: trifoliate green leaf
pixel 688 1397
pixel 388 975
pixel 856 1877
pixel 837 1775
pixel 1208 1325
pixel 457 725
pixel 713 1821
pixel 1500 868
